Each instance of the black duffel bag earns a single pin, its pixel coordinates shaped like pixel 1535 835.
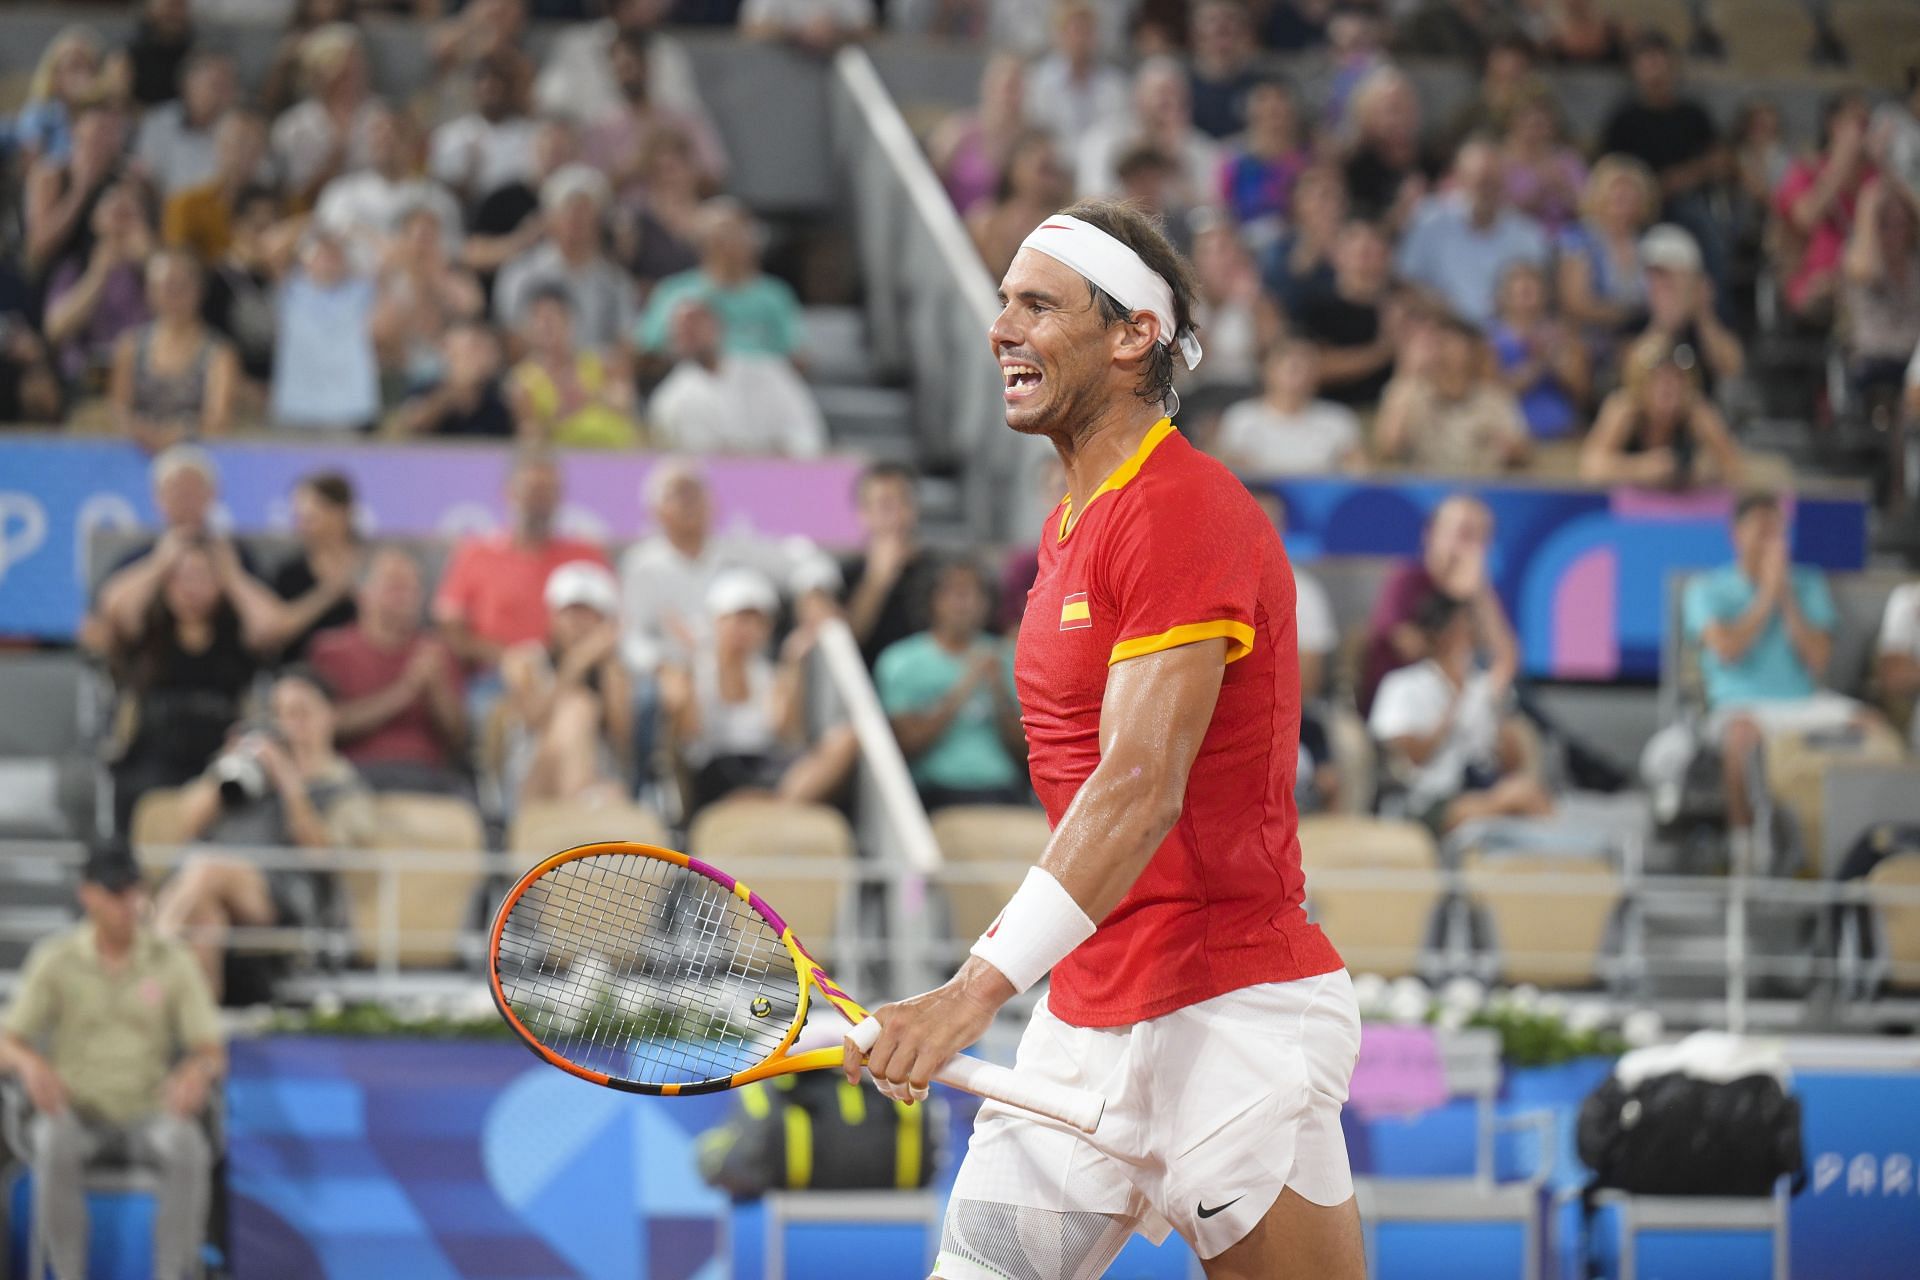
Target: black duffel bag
pixel 1679 1135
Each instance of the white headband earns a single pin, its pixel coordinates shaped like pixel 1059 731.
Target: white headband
pixel 1116 270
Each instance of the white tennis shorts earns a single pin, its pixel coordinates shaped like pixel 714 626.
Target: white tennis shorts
pixel 1211 1111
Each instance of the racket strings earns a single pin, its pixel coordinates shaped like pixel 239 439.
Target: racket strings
pixel 643 970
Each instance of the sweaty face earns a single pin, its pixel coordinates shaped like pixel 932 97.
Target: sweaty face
pixel 1055 356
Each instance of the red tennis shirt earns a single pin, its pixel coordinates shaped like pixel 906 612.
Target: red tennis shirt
pixel 1170 550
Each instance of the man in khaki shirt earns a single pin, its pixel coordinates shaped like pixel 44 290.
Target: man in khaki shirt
pixel 116 1039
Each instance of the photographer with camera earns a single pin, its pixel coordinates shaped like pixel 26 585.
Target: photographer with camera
pixel 276 785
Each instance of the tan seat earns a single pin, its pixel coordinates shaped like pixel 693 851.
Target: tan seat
pixel 1797 770
pixel 1550 937
pixel 1899 921
pixel 546 828
pixel 433 903
pixel 1354 755
pixel 1379 925
pixel 735 832
pixel 972 833
pixel 159 822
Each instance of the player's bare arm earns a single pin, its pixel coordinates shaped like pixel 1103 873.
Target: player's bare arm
pixel 1152 720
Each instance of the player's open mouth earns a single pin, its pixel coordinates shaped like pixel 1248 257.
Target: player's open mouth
pixel 1022 380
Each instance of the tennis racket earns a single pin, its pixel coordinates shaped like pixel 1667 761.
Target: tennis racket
pixel 646 970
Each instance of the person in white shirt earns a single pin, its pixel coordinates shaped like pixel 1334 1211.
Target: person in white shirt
pixel 1162 116
pixel 716 402
pixel 818 26
pixel 491 146
pixel 365 207
pixel 1071 92
pixel 325 133
pixel 664 577
pixel 1440 724
pixel 1287 430
pixel 577 79
pixel 1896 663
pixel 175 143
pixel 571 254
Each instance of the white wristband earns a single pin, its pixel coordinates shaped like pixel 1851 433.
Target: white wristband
pixel 1040 924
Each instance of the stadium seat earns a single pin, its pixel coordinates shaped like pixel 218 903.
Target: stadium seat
pixel 1548 936
pixel 159 822
pixel 433 903
pixel 1383 925
pixel 542 829
pixel 1796 769
pixel 986 833
pixel 1897 929
pixel 737 833
pixel 1356 758
pixel 48 765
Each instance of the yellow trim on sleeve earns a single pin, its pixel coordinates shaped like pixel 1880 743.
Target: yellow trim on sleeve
pixel 1239 636
pixel 1119 477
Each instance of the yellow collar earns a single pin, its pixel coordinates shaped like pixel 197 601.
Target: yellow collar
pixel 1121 474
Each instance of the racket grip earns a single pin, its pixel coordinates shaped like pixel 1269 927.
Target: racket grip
pixel 1078 1107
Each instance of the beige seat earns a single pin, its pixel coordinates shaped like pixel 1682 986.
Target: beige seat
pixel 1550 937
pixel 432 903
pixel 733 834
pixel 1354 755
pixel 159 822
pixel 1379 924
pixel 975 833
pixel 1899 921
pixel 1797 770
pixel 542 829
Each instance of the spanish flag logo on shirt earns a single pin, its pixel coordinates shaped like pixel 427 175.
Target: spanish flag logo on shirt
pixel 1074 613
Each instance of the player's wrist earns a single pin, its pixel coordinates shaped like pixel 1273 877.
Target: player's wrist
pixel 1039 926
pixel 980 983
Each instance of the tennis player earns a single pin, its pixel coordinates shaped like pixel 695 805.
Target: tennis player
pixel 1160 689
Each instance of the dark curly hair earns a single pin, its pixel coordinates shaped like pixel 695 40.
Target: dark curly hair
pixel 1140 231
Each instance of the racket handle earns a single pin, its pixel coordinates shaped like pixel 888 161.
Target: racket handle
pixel 1078 1107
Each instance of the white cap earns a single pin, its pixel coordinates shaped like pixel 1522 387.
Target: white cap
pixel 737 590
pixel 583 582
pixel 570 180
pixel 1670 248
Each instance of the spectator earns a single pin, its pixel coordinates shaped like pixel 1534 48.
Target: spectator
pixel 92 303
pixel 813 26
pixel 326 375
pixel 1578 36
pixel 282 85
pixel 1445 410
pixel 1355 324
pixel 1220 40
pixel 367 205
pixel 283 786
pixel 317 581
pixel 1162 117
pixel 1453 562
pixel 67 79
pixel 568 699
pixel 1299 265
pixel 173 379
pixel 1257 180
pixel 1463 241
pixel 29 387
pixel 329 130
pixel 160 54
pixel 1816 202
pixel 199 217
pixel 738 720
pixel 490 595
pixel 175 145
pixel 1239 319
pixel 971 149
pixel 401 719
pixel 419 296
pixel 1765 628
pixel 1658 430
pixel 467 400
pixel 1880 294
pixel 1295 26
pixel 1544 176
pixel 103 1069
pixel 563 393
pixel 1544 366
pixel 1355 35
pixel 1288 430
pixel 1507 79
pixel 242 283
pixel 1675 138
pixel 656 230
pixel 892 577
pixel 1601 277
pixel 1072 90
pixel 577 80
pixel 1680 308
pixel 759 314
pixel 1151 180
pixel 505 224
pixel 483 32
pixel 1896 662
pixel 490 147
pixel 1316 774
pixel 1439 721
pixel 1456 29
pixel 716 402
pixel 616 142
pixel 1032 186
pixel 1760 163
pixel 1894 138
pixel 665 577
pixel 63 195
pixel 571 255
pixel 949 694
pixel 1385 175
pixel 185 493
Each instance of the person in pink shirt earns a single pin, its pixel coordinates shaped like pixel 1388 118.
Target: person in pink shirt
pixel 492 594
pixel 1815 205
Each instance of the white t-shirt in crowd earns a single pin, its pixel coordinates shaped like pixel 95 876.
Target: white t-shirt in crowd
pixel 365 209
pixel 1316 631
pixel 1414 701
pixel 791 15
pixel 489 154
pixel 745 404
pixel 663 593
pixel 1259 438
pixel 1900 630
